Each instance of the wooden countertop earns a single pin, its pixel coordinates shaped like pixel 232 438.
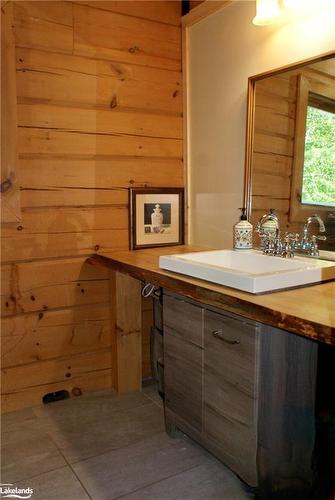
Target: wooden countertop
pixel 308 311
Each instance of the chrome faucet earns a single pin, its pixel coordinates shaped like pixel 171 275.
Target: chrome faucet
pixel 273 244
pixel 310 246
pixel 268 216
pixel 270 241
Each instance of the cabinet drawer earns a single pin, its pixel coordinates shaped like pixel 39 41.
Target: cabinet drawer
pixel 233 442
pixel 230 352
pixel 183 319
pixel 230 390
pixel 183 379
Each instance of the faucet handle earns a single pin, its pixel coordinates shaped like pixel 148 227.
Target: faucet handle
pixel 294 237
pixel 314 250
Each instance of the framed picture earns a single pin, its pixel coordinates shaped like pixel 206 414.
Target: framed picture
pixel 156 217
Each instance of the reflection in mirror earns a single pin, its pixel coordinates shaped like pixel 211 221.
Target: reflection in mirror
pixel 291 146
pixel 318 173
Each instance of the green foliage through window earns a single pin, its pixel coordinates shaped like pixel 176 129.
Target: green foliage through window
pixel 318 186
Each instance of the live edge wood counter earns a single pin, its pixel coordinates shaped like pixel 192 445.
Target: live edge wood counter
pixel 308 311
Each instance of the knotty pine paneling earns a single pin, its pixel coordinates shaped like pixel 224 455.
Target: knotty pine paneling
pixel 71 80
pixel 24 397
pixel 42 285
pixel 132 40
pixel 165 12
pixel 32 30
pixel 116 173
pixel 51 245
pixel 35 141
pixel 100 121
pixel 41 343
pixel 99 97
pixel 70 197
pixel 273 145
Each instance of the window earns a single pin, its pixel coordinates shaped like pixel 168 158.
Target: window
pixel 318 179
pixel 313 176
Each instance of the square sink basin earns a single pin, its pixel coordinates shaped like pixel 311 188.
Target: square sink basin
pixel 249 270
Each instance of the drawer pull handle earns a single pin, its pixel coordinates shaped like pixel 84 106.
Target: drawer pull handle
pixel 219 335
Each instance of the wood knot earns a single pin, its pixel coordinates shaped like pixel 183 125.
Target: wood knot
pixel 113 103
pixel 6 185
pixel 175 93
pixel 134 49
pixel 32 297
pixel 68 375
pixel 40 315
pixel 19 228
pixel 96 248
pixel 76 391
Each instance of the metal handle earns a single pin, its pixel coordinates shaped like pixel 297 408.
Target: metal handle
pixel 319 237
pixel 147 290
pixel 219 335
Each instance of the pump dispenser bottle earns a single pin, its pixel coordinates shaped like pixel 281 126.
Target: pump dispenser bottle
pixel 243 233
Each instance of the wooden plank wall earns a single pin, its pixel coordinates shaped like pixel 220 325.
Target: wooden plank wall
pixel 99 110
pixel 272 160
pixel 274 133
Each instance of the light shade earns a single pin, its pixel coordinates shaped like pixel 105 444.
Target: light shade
pixel 294 4
pixel 267 12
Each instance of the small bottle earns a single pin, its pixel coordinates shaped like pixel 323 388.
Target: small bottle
pixel 157 216
pixel 243 233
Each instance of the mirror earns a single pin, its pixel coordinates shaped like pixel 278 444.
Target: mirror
pixel 290 154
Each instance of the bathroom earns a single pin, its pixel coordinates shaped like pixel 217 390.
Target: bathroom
pixel 101 99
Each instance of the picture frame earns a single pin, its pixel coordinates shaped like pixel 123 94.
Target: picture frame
pixel 156 217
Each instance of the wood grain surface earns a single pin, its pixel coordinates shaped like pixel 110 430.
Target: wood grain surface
pixel 98 90
pixel 307 311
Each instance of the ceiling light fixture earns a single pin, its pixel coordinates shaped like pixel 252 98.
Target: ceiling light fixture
pixel 267 12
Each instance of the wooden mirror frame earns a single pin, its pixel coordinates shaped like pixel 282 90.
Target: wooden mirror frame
pixel 249 142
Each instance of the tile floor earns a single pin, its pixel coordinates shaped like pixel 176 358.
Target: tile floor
pixel 102 447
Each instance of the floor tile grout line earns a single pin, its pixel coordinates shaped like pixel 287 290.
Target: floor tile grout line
pixel 71 468
pixel 39 474
pixel 114 449
pixel 159 404
pixel 125 410
pixel 151 402
pixel 156 482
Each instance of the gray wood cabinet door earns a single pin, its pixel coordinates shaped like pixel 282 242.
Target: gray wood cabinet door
pixel 230 391
pixel 183 360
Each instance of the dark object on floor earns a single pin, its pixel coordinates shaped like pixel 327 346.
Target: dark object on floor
pixel 51 397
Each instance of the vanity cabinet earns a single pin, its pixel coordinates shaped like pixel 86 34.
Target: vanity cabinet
pixel 245 391
pixel 230 390
pixel 183 360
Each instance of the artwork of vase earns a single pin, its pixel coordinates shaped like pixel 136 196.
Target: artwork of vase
pixel 157 216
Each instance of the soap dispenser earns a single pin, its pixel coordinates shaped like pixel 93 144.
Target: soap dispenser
pixel 243 232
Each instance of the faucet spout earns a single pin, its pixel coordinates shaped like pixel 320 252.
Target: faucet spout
pixel 314 218
pixel 266 217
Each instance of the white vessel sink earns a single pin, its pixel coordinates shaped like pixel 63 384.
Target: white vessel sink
pixel 249 270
